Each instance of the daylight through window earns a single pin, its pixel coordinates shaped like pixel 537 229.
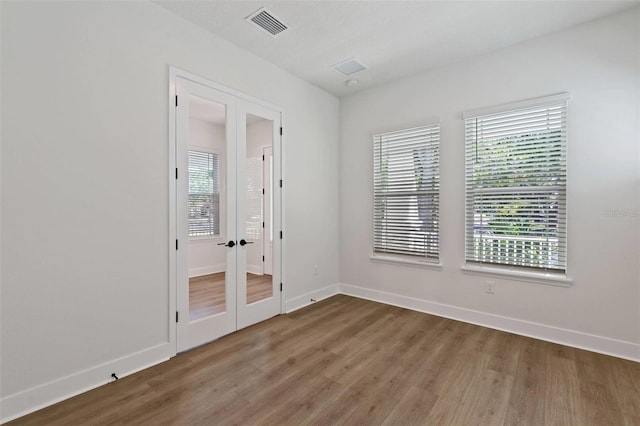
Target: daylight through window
pixel 406 192
pixel 516 186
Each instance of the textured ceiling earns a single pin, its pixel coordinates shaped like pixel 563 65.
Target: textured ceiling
pixel 393 39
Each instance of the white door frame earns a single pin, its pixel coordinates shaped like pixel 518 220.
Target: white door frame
pixel 173 243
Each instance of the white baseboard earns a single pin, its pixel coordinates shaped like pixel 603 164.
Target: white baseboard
pixel 33 399
pixel 206 270
pixel 255 269
pixel 305 300
pixel 576 339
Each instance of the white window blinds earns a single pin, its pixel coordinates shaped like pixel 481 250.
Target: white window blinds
pixel 406 192
pixel 204 194
pixel 516 185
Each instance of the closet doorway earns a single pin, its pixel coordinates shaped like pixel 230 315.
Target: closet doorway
pixel 227 208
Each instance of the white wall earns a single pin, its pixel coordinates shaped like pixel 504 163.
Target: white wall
pixel 598 64
pixel 85 186
pixel 205 255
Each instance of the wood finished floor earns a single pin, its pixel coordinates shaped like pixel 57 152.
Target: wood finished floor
pixel 207 296
pixel 350 361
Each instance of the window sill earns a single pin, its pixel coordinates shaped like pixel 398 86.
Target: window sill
pixel 510 273
pixel 211 238
pixel 404 261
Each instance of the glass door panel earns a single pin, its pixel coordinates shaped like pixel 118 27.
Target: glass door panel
pixel 258 294
pixel 259 133
pixel 207 293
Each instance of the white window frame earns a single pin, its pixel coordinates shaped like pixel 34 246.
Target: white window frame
pixel 431 137
pixel 525 273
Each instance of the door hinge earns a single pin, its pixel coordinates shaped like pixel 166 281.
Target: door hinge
pixel 176 173
pixel 176 244
pixel 263 224
pixel 280 286
pixel 263 158
pixel 280 131
pixel 280 234
pixel 176 100
pixel 263 258
pixel 262 191
pixel 176 316
pixel 280 183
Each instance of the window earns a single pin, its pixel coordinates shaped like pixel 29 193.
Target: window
pixel 516 185
pixel 204 194
pixel 406 193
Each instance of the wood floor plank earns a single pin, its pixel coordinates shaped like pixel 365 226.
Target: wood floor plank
pixel 355 362
pixel 412 409
pixel 623 380
pixel 456 386
pixel 562 392
pixel 300 403
pixel 526 404
pixel 268 396
pixel 505 352
pixel 488 407
pixel 598 404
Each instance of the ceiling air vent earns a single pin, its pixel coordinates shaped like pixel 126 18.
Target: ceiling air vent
pixel 267 21
pixel 350 66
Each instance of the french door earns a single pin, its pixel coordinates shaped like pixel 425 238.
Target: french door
pixel 227 212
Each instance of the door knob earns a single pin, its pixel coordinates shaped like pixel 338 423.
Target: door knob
pixel 231 243
pixel 243 242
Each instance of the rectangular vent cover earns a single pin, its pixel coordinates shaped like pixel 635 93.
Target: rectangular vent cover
pixel 350 66
pixel 267 21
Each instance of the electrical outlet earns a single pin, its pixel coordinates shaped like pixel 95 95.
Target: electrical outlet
pixel 315 269
pixel 489 287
